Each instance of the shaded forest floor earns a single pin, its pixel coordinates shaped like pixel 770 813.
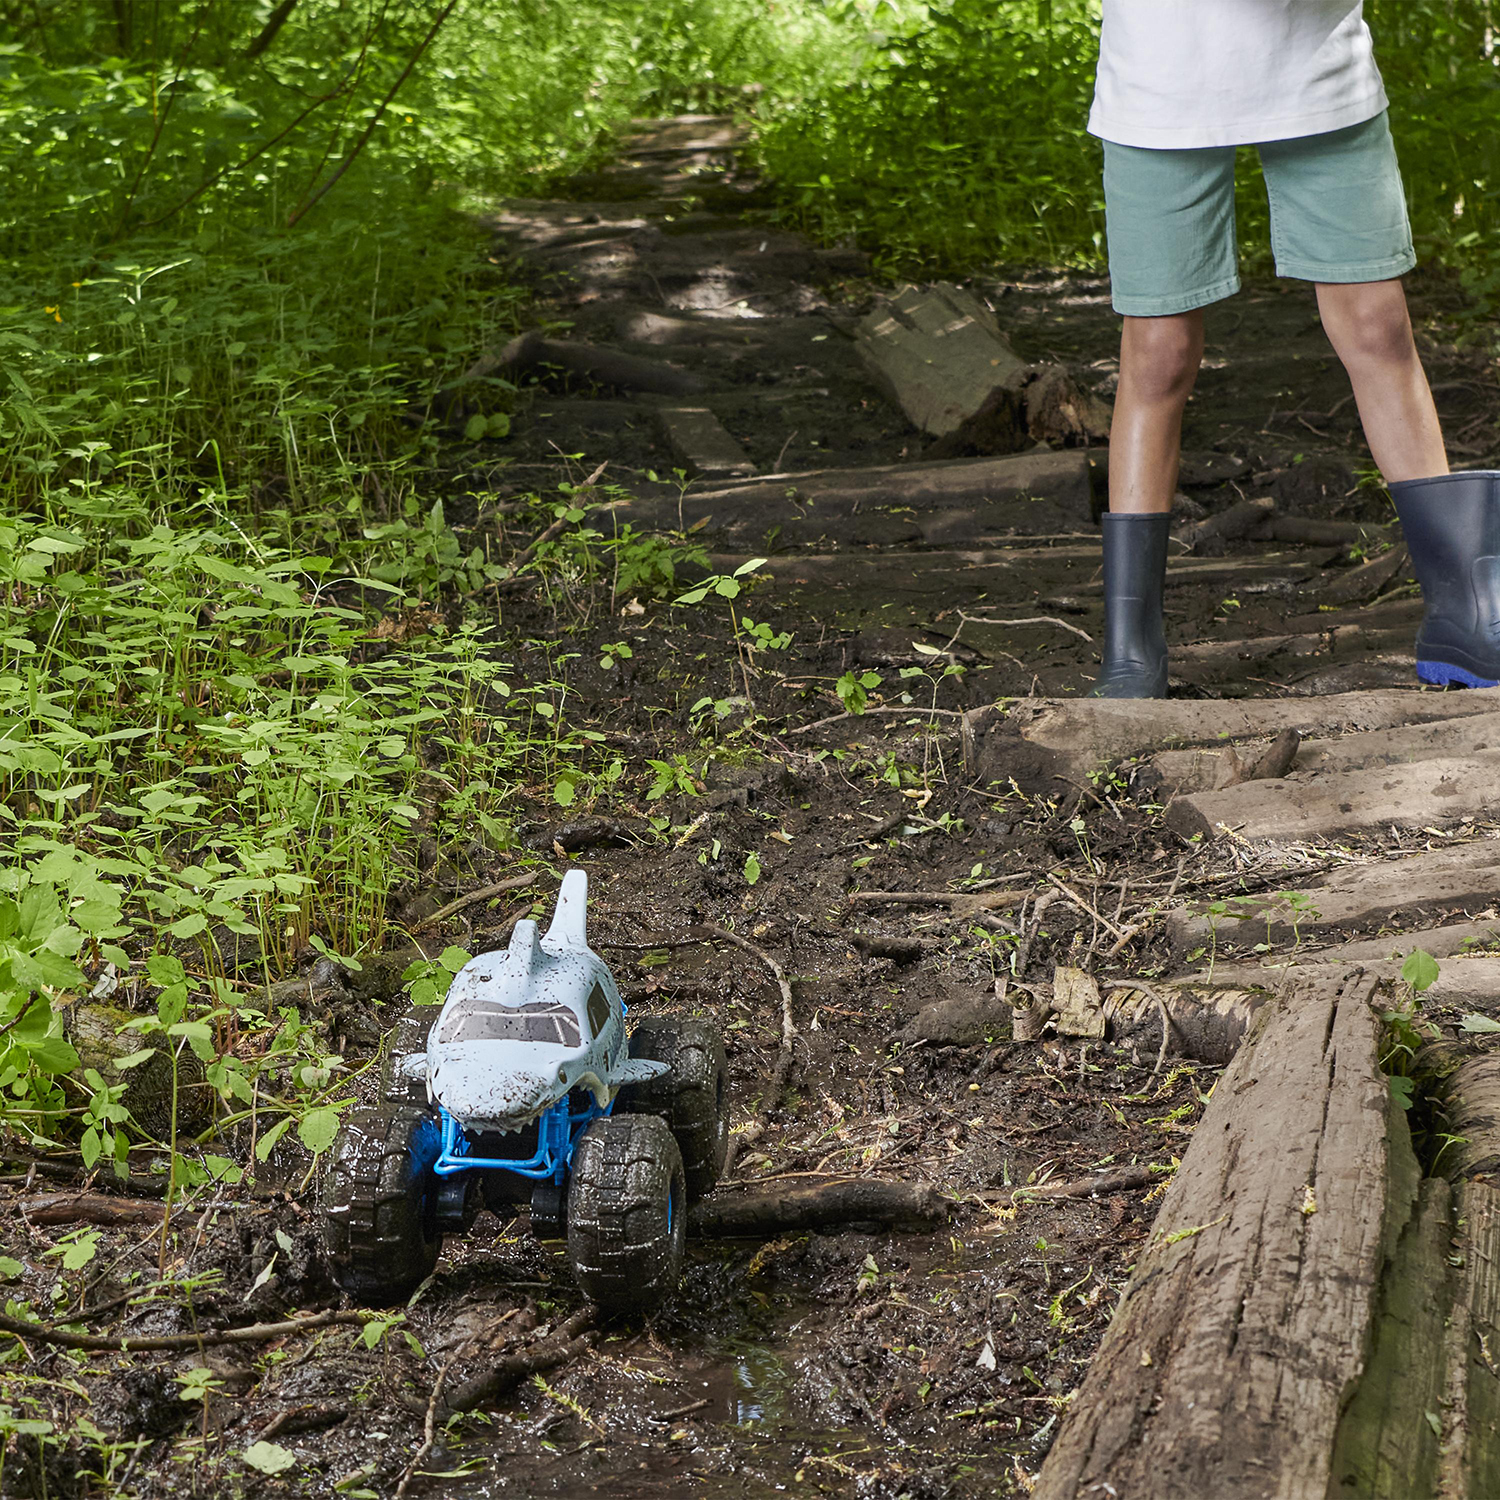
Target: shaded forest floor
pixel 867 1361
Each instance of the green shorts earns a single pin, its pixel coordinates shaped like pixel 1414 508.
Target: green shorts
pixel 1338 213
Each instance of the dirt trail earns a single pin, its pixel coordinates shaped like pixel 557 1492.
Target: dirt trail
pixel 867 1362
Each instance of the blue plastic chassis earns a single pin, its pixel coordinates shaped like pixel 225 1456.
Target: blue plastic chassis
pixel 557 1131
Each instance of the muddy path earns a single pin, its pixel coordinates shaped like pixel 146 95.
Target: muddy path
pixel 861 1359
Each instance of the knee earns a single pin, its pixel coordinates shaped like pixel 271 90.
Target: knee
pixel 1160 358
pixel 1371 331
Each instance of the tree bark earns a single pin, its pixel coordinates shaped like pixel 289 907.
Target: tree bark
pixel 772 1209
pixel 1242 1331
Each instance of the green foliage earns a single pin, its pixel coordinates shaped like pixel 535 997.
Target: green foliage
pixel 947 135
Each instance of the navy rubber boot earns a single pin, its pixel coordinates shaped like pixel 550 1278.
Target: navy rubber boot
pixel 1135 572
pixel 1452 527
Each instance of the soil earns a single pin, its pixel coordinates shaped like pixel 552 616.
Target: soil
pixel 867 1362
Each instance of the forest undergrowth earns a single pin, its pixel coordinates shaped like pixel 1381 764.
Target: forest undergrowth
pixel 251 677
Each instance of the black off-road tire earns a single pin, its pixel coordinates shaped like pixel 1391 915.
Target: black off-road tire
pixel 409 1034
pixel 693 1098
pixel 627 1213
pixel 378 1219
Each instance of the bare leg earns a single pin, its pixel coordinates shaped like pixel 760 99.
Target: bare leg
pixel 1159 359
pixel 1370 329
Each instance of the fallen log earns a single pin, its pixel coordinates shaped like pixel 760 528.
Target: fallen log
pixel 938 353
pixel 1470 1098
pixel 595 362
pixel 1117 1180
pixel 1307 531
pixel 1245 1326
pixel 1466 982
pixel 1211 769
pixel 1086 732
pixel 91 1208
pixel 1226 525
pixel 934 503
pixel 1363 582
pixel 1421 793
pixel 764 1212
pixel 1374 894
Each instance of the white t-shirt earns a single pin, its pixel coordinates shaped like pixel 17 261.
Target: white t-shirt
pixel 1185 73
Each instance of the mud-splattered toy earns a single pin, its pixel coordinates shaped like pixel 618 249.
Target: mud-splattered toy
pixel 527 1089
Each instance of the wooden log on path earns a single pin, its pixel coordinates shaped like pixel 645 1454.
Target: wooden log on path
pixel 1469 981
pixel 932 504
pixel 1246 1324
pixel 1084 733
pixel 1306 531
pixel 1206 770
pixel 939 355
pixel 1419 794
pixel 1378 893
pixel 596 362
pixel 777 1208
pixel 1361 584
pixel 1225 525
pixel 702 444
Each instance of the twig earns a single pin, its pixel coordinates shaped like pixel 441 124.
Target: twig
pixel 253 1333
pixel 1083 905
pixel 908 713
pixel 682 1411
pixel 515 883
pixel 511 1369
pixel 1029 620
pixel 772 1096
pixel 429 1430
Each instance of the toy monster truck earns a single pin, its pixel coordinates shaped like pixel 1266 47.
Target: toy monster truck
pixel 526 1089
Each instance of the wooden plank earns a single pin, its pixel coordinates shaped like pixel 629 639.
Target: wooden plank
pixel 1416 795
pixel 1469 981
pixel 939 355
pixel 933 504
pixel 702 444
pixel 1380 893
pixel 1206 769
pixel 1243 1330
pixel 1089 731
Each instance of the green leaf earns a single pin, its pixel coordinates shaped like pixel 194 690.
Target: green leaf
pixel 1420 970
pixel 267 1143
pixel 565 792
pixel 269 1458
pixel 752 868
pixel 1401 1090
pixel 135 1059
pixel 476 427
pixel 318 1128
pixel 1474 1023
pixel 10 1268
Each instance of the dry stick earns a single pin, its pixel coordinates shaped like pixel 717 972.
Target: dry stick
pixel 511 1369
pixel 253 1333
pixel 529 551
pixel 772 1096
pixel 1083 905
pixel 1029 620
pixel 429 1431
pixel 910 713
pixel 515 883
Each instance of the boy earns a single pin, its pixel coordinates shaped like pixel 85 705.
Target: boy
pixel 1181 83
